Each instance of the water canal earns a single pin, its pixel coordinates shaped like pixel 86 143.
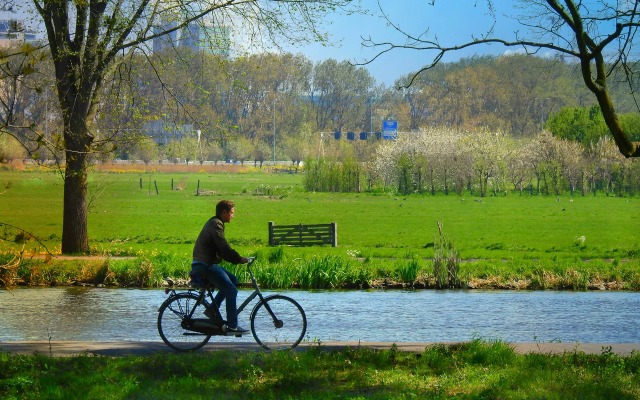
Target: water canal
pixel 102 314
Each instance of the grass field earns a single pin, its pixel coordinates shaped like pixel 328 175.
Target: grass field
pixel 123 216
pixel 128 216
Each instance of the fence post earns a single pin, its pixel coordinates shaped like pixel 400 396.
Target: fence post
pixel 334 234
pixel 300 227
pixel 156 185
pixel 171 183
pixel 198 188
pixel 140 183
pixel 270 233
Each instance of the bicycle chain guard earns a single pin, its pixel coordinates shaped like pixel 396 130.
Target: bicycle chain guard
pixel 203 325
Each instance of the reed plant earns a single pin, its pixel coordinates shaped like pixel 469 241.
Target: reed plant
pixel 328 272
pixel 446 262
pixel 408 270
pixel 279 275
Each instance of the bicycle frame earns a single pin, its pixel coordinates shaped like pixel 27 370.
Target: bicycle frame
pixel 206 291
pixel 256 292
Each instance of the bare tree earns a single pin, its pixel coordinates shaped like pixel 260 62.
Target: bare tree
pixel 23 97
pixel 89 40
pixel 600 34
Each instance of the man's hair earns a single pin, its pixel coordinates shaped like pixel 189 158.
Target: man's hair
pixel 222 206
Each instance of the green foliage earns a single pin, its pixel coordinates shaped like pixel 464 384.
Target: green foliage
pixel 332 176
pixel 408 270
pixel 631 124
pixel 276 255
pixel 582 124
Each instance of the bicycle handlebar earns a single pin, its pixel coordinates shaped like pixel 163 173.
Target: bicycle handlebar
pixel 251 260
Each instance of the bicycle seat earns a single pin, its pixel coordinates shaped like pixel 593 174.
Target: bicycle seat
pixel 200 281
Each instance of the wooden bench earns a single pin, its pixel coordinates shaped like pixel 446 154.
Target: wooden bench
pixel 303 235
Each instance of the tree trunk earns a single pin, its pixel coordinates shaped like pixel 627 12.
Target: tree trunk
pixel 625 145
pixel 74 220
pixel 78 142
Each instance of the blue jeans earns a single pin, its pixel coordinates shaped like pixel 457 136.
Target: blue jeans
pixel 226 283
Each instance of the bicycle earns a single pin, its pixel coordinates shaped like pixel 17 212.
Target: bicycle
pixel 187 320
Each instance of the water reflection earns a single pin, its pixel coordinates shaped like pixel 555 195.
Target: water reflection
pixel 130 314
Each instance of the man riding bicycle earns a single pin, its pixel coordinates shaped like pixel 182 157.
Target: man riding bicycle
pixel 210 249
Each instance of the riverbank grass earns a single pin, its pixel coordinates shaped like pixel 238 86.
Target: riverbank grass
pixel 278 268
pixel 478 369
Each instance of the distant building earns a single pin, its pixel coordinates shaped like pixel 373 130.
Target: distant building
pixel 216 39
pixel 190 36
pixel 12 32
pixel 168 40
pixel 208 38
pixel 163 133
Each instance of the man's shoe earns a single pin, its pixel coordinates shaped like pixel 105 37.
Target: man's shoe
pixel 236 330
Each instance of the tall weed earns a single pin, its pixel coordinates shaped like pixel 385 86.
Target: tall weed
pixel 446 262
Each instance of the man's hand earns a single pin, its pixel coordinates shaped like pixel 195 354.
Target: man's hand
pixel 244 260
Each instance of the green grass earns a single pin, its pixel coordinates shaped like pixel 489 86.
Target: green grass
pixel 535 234
pixel 474 370
pixel 123 216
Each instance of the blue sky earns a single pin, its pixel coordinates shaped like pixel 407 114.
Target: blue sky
pixel 453 21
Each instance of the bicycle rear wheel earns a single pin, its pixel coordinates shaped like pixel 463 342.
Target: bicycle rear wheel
pixel 278 323
pixel 171 317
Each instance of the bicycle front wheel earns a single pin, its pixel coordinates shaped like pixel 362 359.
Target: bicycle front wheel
pixel 171 318
pixel 278 323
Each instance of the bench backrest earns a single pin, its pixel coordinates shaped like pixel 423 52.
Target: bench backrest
pixel 303 235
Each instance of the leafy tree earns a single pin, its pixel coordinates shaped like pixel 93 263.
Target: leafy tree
pixel 631 123
pixel 240 150
pixel 212 151
pixel 87 41
pixel 24 100
pixel 146 150
pixel 339 93
pixel 581 124
pixel 261 152
pixel 519 164
pixel 10 149
pixel 489 152
pixel 191 148
pixel 174 151
pixel 607 166
pixel 298 147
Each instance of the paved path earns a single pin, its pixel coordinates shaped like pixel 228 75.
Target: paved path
pixel 70 348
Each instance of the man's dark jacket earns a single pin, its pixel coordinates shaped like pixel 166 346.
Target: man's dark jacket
pixel 211 247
